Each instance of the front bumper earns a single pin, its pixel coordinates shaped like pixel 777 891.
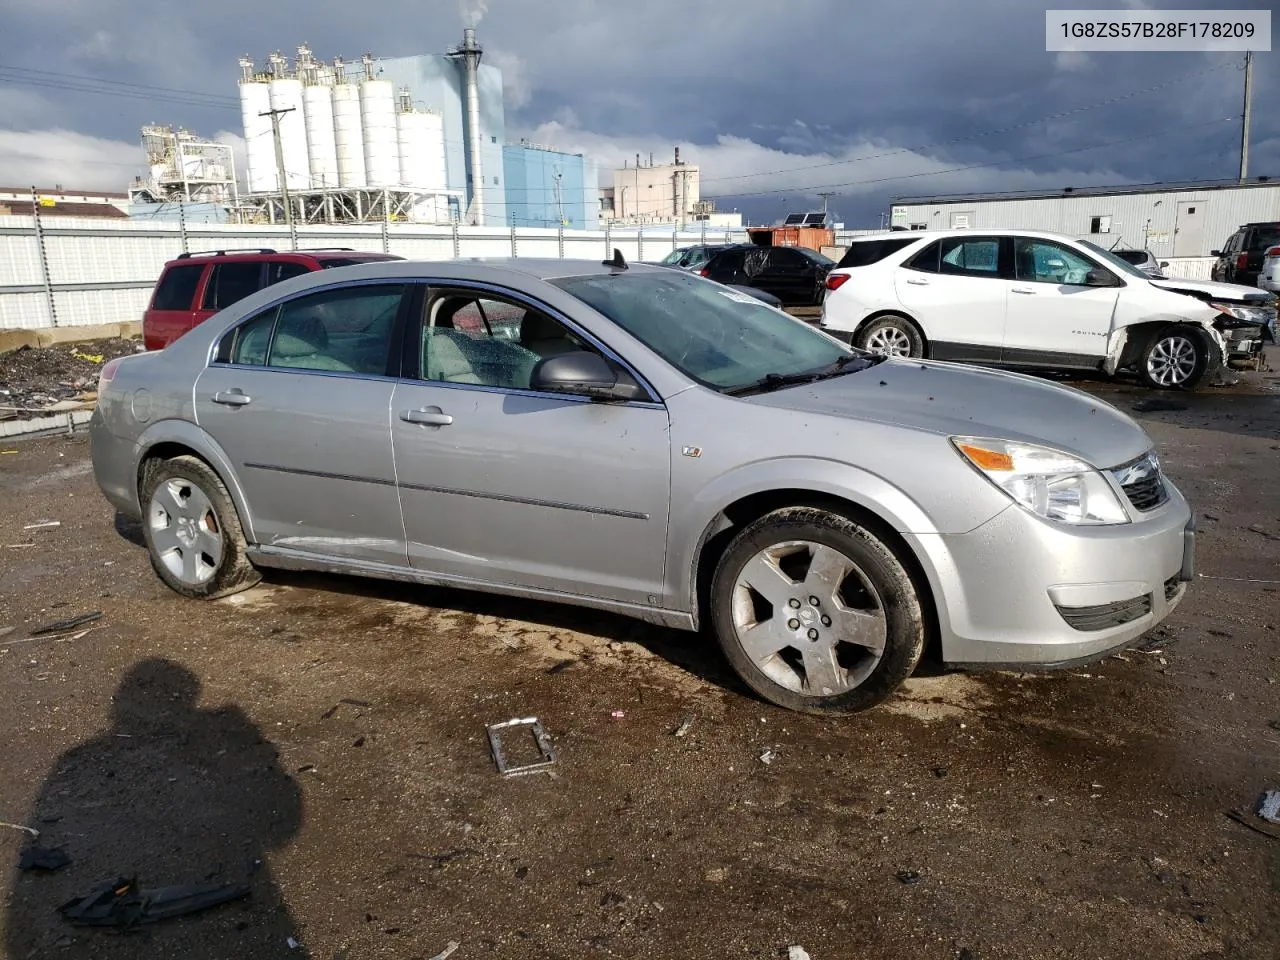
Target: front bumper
pixel 1009 592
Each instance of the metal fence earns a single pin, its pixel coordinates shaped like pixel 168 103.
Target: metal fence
pixel 68 271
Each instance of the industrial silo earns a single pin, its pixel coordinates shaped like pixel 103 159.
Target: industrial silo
pixel 420 135
pixel 347 134
pixel 255 99
pixel 286 94
pixel 322 149
pixel 378 122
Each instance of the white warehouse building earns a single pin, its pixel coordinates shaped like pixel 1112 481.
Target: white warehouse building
pixel 1170 219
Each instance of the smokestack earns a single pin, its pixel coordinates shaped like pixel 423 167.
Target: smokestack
pixel 470 53
pixel 677 156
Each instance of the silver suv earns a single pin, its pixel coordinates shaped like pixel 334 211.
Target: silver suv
pixel 645 441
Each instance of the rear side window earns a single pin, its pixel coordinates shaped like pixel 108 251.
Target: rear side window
pixel 926 259
pixel 1264 237
pixel 249 343
pixel 231 282
pixel 177 288
pixel 347 330
pixel 873 251
pixel 281 270
pixel 726 262
pixel 970 256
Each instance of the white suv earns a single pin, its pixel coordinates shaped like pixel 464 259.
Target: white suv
pixel 1037 300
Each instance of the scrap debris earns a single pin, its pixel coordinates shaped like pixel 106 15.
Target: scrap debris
pixel 42 858
pixel 122 903
pixel 768 755
pixel 685 724
pixel 447 951
pixel 43 524
pixel 61 626
pixel 30 831
pixel 540 738
pixel 1269 806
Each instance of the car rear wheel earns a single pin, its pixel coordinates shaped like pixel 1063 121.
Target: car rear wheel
pixel 816 613
pixel 892 336
pixel 1175 358
pixel 192 530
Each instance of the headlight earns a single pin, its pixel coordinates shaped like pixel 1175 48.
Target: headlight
pixel 1049 483
pixel 1248 315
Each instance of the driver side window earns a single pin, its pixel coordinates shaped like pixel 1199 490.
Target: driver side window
pixel 468 337
pixel 1041 261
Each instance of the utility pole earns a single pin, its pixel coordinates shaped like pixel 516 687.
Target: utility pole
pixel 1248 105
pixel 826 196
pixel 284 186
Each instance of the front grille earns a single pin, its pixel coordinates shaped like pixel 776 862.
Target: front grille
pixel 1106 615
pixel 1142 482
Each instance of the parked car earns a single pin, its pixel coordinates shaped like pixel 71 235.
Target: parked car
pixel 755 292
pixel 694 257
pixel 1269 275
pixel 643 441
pixel 1240 259
pixel 1040 300
pixel 1145 261
pixel 792 274
pixel 195 286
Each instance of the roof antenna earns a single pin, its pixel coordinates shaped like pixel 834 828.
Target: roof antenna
pixel 617 262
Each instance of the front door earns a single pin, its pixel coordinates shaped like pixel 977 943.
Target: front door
pixel 1054 318
pixel 299 398
pixel 789 276
pixel 502 484
pixel 957 289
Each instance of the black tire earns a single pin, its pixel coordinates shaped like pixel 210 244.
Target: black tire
pixel 177 481
pixel 1176 357
pixel 891 327
pixel 891 596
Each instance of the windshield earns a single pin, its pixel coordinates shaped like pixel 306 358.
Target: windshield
pixel 1112 260
pixel 721 338
pixel 1265 237
pixel 675 256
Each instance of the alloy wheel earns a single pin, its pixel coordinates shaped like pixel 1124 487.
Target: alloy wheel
pixel 889 341
pixel 809 618
pixel 1172 360
pixel 185 533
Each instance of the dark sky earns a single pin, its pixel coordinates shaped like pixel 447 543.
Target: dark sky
pixel 773 100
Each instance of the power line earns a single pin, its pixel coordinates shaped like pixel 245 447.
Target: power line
pixel 984 133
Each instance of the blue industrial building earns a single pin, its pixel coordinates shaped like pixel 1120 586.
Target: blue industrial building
pixel 437 81
pixel 547 188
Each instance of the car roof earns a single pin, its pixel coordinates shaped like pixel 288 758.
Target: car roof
pixel 971 231
pixel 330 253
pixel 487 268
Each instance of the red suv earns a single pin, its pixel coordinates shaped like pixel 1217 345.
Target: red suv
pixel 197 285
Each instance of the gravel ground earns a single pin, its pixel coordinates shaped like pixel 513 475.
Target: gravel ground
pixel 31 378
pixel 322 739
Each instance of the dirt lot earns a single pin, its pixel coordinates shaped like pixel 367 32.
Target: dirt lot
pixel 333 729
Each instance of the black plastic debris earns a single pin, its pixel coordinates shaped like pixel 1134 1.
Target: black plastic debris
pixel 71 624
pixel 908 876
pixel 42 858
pixel 122 903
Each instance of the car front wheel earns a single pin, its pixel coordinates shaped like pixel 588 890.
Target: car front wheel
pixel 892 336
pixel 1174 359
pixel 816 613
pixel 192 530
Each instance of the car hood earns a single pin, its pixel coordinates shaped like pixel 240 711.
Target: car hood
pixel 953 400
pixel 1209 290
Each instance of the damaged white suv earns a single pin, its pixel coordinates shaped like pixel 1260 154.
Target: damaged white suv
pixel 1039 300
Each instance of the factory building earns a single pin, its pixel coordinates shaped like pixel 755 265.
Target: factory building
pixel 546 187
pixel 1170 219
pixel 409 138
pixel 656 193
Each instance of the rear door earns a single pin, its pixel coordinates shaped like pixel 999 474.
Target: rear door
pixel 789 276
pixel 958 289
pixel 173 305
pixel 229 281
pixel 1053 317
pixel 299 398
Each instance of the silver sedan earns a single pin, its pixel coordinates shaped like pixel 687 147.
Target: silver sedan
pixel 641 440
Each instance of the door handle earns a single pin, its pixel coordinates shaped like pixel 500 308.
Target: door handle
pixel 232 398
pixel 431 416
pixel 1022 290
pixel 918 281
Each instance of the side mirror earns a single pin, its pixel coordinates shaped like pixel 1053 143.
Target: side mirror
pixel 1098 278
pixel 585 374
pixel 1163 264
pixel 1215 253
